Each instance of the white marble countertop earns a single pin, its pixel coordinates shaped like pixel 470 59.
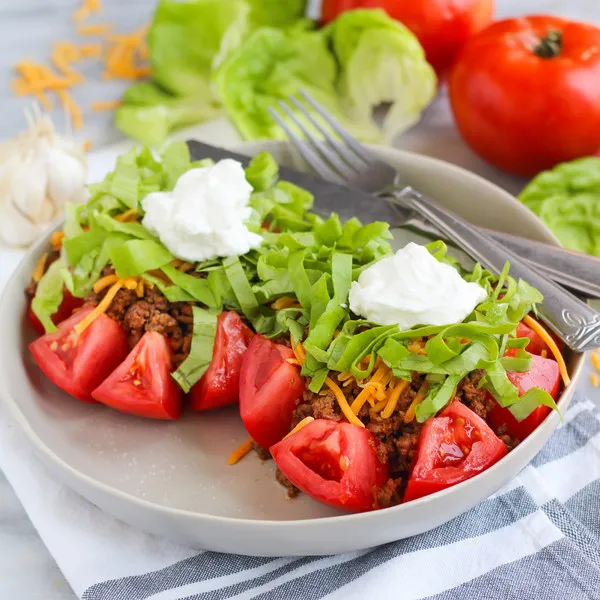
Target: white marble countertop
pixel 27 28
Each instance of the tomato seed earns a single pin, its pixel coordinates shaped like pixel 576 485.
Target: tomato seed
pixel 54 346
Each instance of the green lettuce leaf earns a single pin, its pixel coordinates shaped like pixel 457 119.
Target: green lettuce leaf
pixel 186 40
pixel 273 64
pixel 195 365
pixel 138 256
pixel 567 199
pixel 49 295
pixel 381 61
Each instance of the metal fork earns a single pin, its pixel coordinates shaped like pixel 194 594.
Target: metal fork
pixel 344 159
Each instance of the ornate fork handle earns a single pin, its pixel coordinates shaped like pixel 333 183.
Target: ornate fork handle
pixel 576 323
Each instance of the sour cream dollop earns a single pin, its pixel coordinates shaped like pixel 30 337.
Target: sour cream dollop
pixel 413 288
pixel 205 215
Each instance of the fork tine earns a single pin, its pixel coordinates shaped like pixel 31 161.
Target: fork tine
pixel 359 150
pixel 310 156
pixel 331 157
pixel 342 149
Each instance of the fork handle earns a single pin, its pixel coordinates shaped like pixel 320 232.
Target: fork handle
pixel 577 324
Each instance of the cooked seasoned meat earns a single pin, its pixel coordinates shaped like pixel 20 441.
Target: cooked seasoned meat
pixel 478 400
pixel 152 312
pixel 263 453
pixel 292 490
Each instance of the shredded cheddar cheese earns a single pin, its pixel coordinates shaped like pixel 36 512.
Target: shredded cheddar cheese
pixel 139 290
pixel 539 329
pixel 416 347
pixel 596 360
pixel 130 283
pixel 285 302
pixel 240 452
pixel 72 108
pixel 87 8
pixel 106 105
pixel 98 29
pixel 100 309
pixel 595 379
pixel 299 352
pixel 127 215
pixel 300 426
pixel 382 374
pixel 293 361
pixel 40 268
pixel 56 240
pixel 392 402
pixel 343 403
pixel 410 413
pixel 104 282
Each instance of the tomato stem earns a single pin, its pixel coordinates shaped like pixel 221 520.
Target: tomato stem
pixel 549 46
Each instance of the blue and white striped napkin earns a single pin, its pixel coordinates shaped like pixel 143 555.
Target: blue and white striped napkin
pixel 539 537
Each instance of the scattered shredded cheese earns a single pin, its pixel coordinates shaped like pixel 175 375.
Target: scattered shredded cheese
pixel 300 426
pixel 104 282
pixel 40 268
pixel 240 452
pixel 72 108
pixel 130 283
pixel 98 29
pixel 596 360
pixel 285 302
pixel 410 413
pixel 87 8
pixel 595 379
pixel 293 361
pixel 100 309
pixel 343 403
pixel 366 394
pixel 106 105
pixel 125 216
pixel 416 347
pixel 392 402
pixel 56 240
pixel 139 290
pixel 539 329
pixel 299 352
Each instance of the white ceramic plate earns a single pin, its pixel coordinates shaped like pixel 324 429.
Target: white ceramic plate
pixel 172 479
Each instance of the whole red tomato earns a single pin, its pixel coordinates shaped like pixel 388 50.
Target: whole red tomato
pixel 442 26
pixel 525 93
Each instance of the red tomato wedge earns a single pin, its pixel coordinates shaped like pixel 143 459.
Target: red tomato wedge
pixel 220 385
pixel 142 384
pixel 269 388
pixel 65 310
pixel 453 447
pixel 78 363
pixel 334 463
pixel 544 374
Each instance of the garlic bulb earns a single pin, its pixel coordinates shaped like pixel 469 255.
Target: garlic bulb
pixel 40 172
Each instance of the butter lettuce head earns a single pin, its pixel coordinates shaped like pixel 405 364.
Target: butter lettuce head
pixel 381 61
pixel 273 64
pixel 567 200
pixel 186 39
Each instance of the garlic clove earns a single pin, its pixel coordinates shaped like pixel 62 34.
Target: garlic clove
pixel 29 184
pixel 15 228
pixel 66 177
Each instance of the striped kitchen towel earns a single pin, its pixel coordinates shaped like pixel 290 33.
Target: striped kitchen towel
pixel 539 537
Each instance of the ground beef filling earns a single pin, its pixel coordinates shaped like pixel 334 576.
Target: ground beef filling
pixel 152 312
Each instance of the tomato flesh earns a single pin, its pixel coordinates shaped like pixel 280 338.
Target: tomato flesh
pixel 65 310
pixel 269 388
pixel 220 385
pixel 544 373
pixel 142 384
pixel 442 26
pixel 334 463
pixel 78 363
pixel 453 447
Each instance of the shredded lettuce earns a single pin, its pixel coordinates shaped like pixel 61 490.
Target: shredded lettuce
pixel 49 295
pixel 135 257
pixel 195 365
